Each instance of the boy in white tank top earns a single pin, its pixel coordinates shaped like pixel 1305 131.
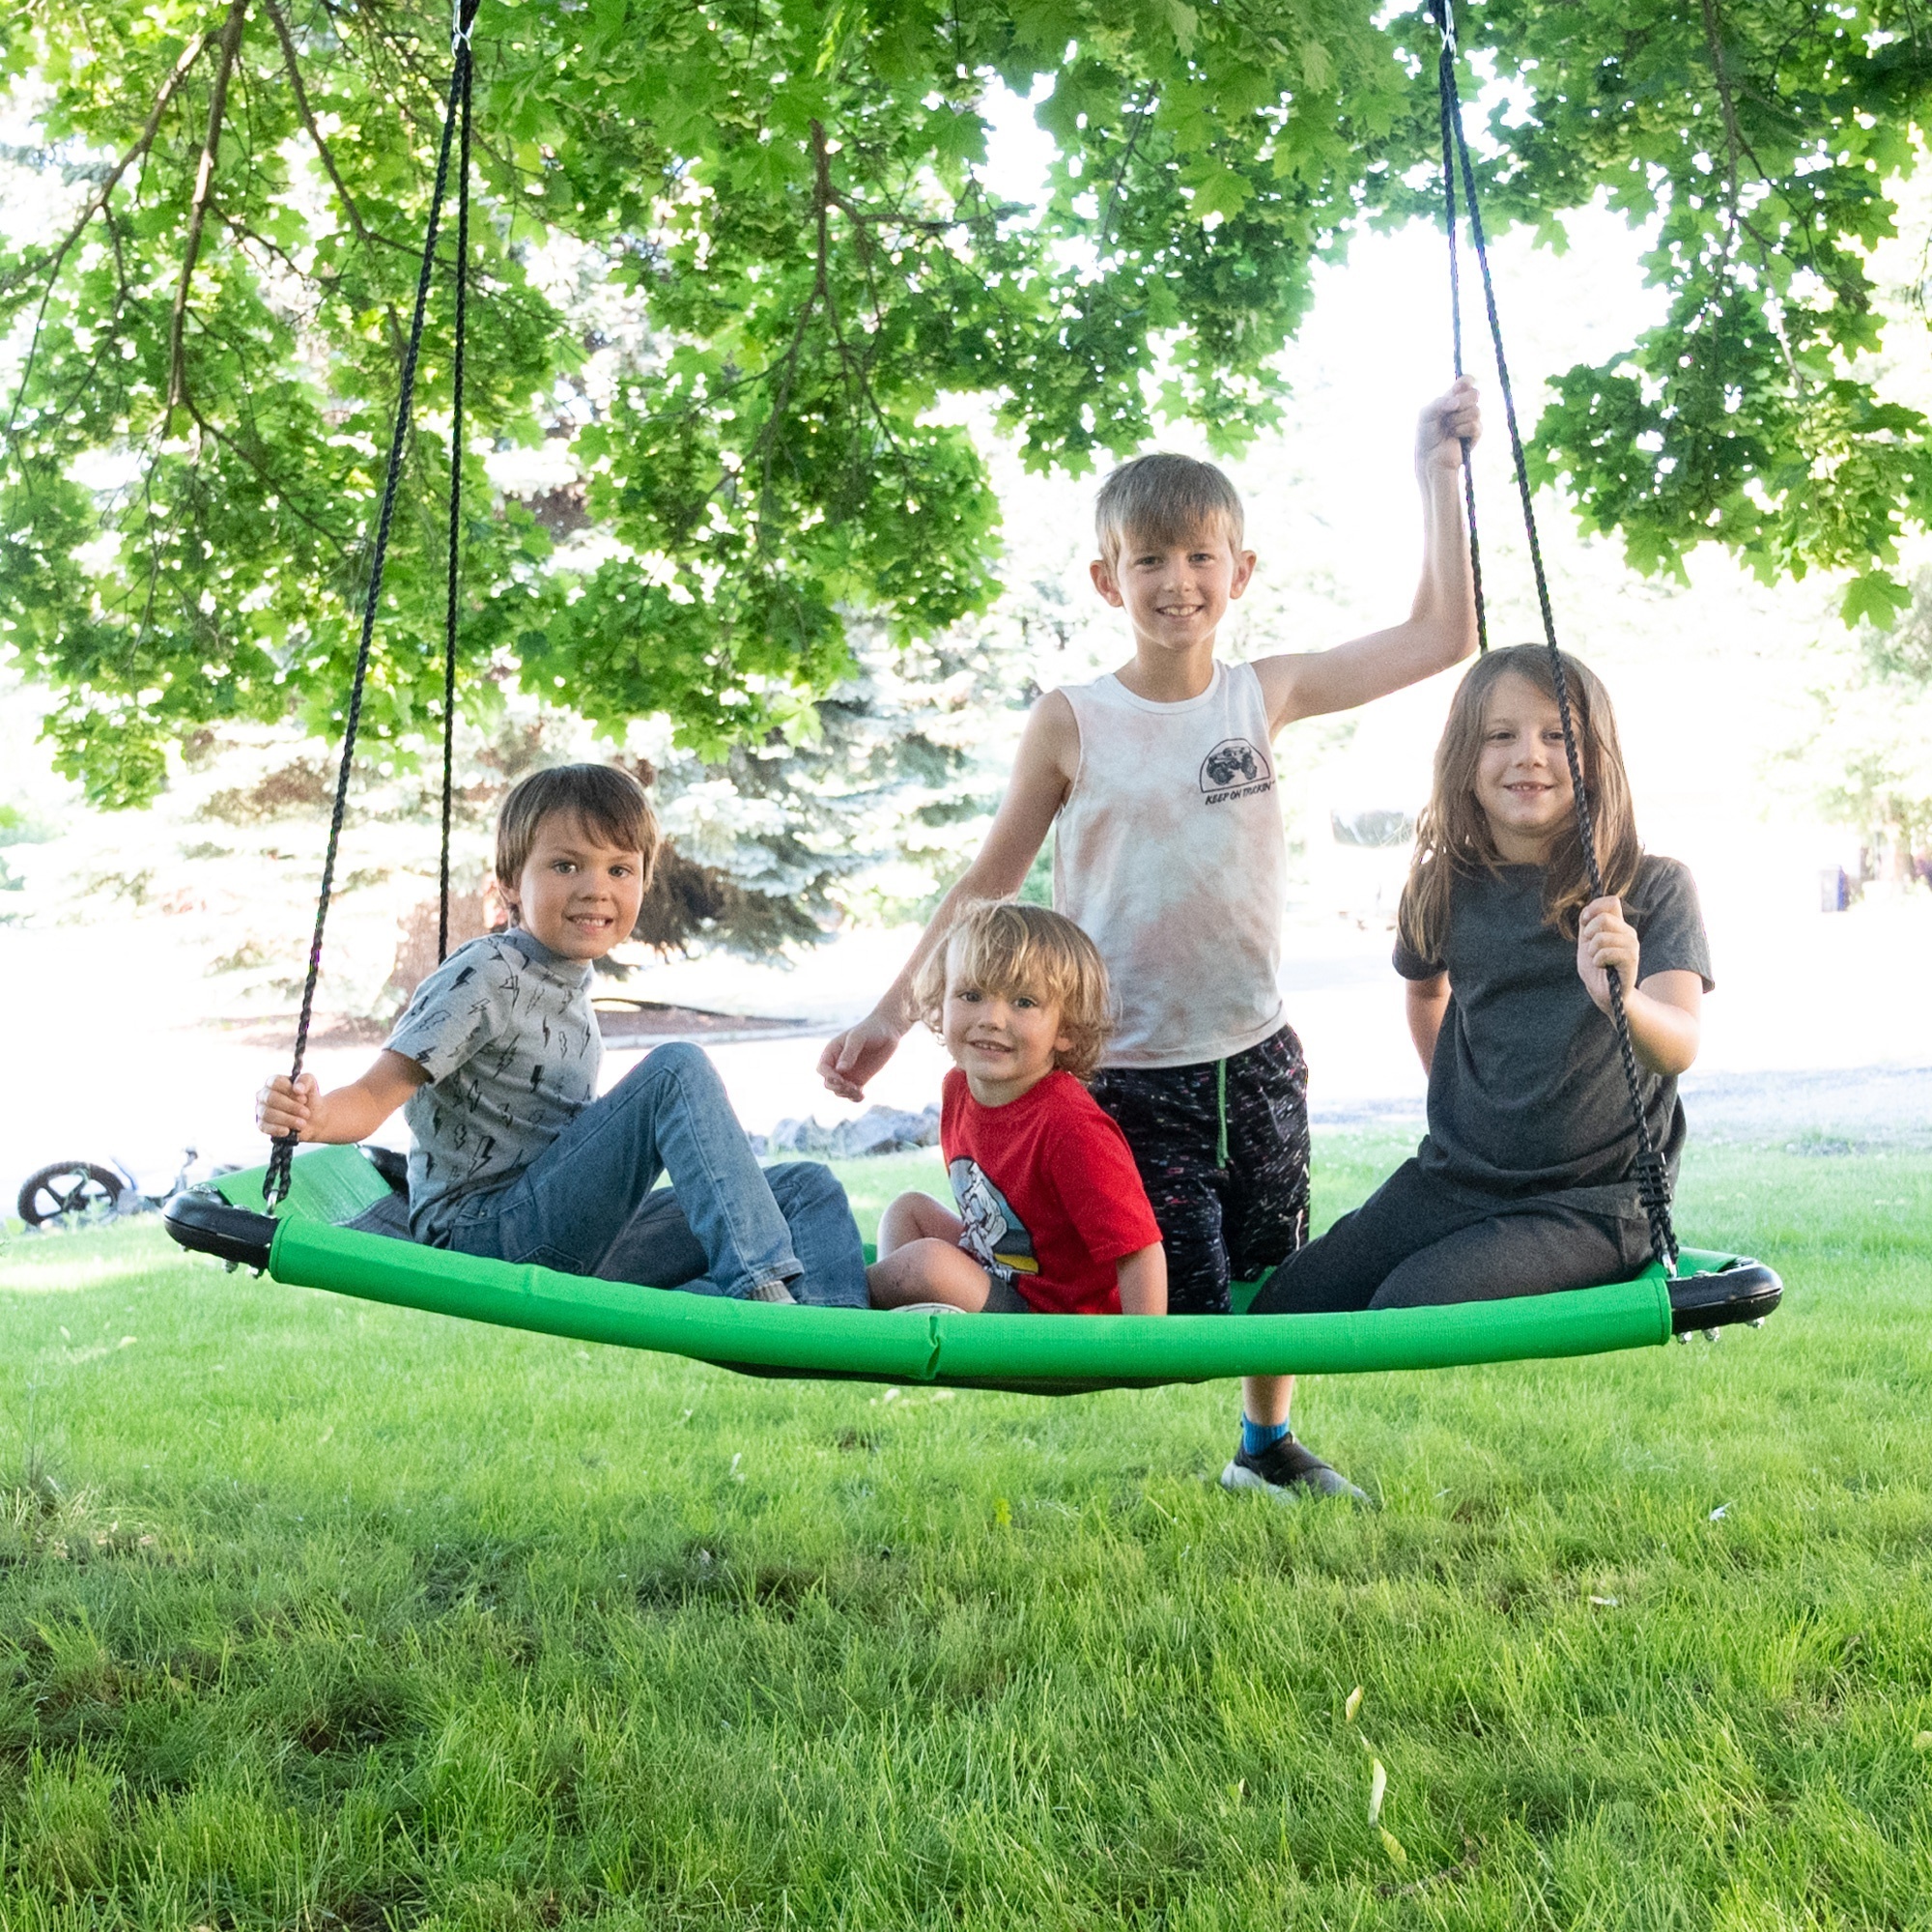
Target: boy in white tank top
pixel 1157 783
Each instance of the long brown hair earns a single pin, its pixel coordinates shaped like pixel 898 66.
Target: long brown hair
pixel 1452 834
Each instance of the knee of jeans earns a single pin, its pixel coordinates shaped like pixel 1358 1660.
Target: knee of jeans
pixel 804 1184
pixel 679 1060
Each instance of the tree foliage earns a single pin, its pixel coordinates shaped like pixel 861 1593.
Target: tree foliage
pixel 792 197
pixel 1868 755
pixel 1760 139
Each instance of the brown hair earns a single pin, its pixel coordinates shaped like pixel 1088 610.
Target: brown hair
pixel 1003 947
pixel 1161 499
pixel 609 805
pixel 1452 834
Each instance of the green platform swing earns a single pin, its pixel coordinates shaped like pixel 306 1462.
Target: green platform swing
pixel 334 1217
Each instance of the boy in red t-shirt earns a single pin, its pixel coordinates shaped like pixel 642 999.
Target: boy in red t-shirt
pixel 1053 1218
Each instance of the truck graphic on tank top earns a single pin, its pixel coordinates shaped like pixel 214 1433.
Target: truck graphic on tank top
pixel 1235 768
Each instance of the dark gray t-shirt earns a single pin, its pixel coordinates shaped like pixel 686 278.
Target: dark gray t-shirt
pixel 1526 1092
pixel 505 1031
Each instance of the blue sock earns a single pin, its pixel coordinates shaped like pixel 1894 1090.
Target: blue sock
pixel 1259 1435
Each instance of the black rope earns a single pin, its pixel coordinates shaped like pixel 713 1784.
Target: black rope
pixel 1446 82
pixel 455 504
pixel 1653 1178
pixel 276 1183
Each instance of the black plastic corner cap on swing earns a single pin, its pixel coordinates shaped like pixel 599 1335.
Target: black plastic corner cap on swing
pixel 332 1218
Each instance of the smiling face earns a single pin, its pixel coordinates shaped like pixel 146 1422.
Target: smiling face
pixel 1005 1043
pixel 1174 594
pixel 1522 778
pixel 575 893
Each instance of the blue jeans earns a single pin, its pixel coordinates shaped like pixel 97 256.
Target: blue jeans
pixel 584 1204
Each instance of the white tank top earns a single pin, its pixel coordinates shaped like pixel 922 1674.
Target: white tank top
pixel 1169 853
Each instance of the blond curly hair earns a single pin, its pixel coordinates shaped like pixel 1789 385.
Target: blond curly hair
pixel 1009 949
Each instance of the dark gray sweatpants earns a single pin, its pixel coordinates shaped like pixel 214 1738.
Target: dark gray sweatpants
pixel 1421 1241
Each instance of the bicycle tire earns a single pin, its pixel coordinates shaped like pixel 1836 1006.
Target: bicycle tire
pixel 62 1201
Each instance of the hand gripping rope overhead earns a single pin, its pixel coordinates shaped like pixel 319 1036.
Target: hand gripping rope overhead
pixel 335 1218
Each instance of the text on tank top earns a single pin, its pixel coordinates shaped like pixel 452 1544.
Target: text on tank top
pixel 1169 853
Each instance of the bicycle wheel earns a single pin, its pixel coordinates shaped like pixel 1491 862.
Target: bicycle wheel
pixel 67 1190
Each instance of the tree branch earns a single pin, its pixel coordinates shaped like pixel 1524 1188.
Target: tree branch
pixel 142 143
pixel 327 159
pixel 204 188
pixel 96 202
pixel 856 368
pixel 1736 144
pixel 246 239
pixel 277 486
pixel 1714 39
pixel 788 363
pixel 1143 116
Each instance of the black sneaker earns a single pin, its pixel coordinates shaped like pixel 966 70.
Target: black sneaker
pixel 1289 1470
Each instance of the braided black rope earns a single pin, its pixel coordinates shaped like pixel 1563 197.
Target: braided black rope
pixel 455 503
pixel 276 1183
pixel 1446 81
pixel 1653 1178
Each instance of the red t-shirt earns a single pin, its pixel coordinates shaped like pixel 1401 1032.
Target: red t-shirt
pixel 1048 1191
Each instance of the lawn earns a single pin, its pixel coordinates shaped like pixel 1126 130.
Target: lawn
pixel 321 1614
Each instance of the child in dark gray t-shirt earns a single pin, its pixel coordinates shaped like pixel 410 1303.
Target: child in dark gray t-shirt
pixel 494 1065
pixel 1526 1180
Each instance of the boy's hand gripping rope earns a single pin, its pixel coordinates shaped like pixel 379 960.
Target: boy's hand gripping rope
pixel 1653 1179
pixel 276 1183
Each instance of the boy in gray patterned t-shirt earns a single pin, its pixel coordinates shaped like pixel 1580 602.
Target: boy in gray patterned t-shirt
pixel 494 1065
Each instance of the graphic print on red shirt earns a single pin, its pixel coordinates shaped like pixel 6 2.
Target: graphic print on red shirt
pixel 1048 1191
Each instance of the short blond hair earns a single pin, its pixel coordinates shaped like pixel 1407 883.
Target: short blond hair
pixel 1162 500
pixel 1003 947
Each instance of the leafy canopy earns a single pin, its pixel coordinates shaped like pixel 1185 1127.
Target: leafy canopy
pixel 790 201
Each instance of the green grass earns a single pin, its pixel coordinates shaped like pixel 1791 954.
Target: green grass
pixel 321 1614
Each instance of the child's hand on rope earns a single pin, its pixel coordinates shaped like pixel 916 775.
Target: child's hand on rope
pixel 1606 938
pixel 1454 416
pixel 284 1106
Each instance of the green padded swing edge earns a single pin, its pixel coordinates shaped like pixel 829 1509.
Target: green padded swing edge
pixel 1025 1352
pixel 1028 1351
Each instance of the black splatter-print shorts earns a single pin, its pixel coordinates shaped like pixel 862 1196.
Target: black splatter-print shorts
pixel 1222 1147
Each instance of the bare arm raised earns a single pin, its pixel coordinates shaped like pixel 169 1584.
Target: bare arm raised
pixel 1441 629
pixel 1044 773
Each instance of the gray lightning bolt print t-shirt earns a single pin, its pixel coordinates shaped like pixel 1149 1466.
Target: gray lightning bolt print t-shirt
pixel 505 1031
